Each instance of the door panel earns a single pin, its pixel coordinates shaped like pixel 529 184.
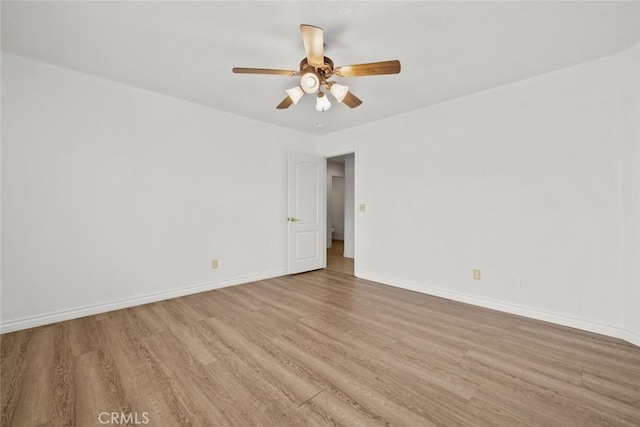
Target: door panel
pixel 306 243
pixel 307 193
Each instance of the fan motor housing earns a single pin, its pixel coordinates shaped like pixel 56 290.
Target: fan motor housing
pixel 324 72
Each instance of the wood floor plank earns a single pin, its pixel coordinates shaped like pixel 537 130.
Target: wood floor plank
pixel 14 361
pixel 255 398
pixel 147 320
pixel 293 380
pixel 84 335
pixel 620 410
pixel 116 331
pixel 615 389
pixel 358 362
pixel 581 358
pixel 353 390
pixel 315 349
pixel 99 390
pixel 208 401
pixel 479 381
pixel 62 378
pixel 137 376
pixel 434 396
pixel 28 400
pixel 341 410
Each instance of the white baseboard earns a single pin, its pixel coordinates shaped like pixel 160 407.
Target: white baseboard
pixel 74 313
pixel 632 338
pixel 508 308
pixel 59 316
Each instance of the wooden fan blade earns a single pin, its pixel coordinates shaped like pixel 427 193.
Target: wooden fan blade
pixel 286 103
pixel 313 39
pixel 242 70
pixel 370 69
pixel 351 100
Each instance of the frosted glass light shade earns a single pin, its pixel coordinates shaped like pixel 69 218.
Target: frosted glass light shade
pixel 295 93
pixel 322 102
pixel 309 82
pixel 339 91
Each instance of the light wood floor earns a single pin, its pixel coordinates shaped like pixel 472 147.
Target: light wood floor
pixel 336 262
pixel 319 348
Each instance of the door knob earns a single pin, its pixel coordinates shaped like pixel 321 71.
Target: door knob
pixel 293 219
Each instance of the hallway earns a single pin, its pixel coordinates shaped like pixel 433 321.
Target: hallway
pixel 336 262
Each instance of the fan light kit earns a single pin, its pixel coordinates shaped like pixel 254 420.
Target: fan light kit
pixel 310 82
pixel 322 102
pixel 316 69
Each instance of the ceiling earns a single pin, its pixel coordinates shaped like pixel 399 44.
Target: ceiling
pixel 186 49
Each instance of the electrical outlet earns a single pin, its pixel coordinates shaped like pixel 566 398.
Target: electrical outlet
pixel 516 282
pixel 214 263
pixel 476 274
pixel 362 207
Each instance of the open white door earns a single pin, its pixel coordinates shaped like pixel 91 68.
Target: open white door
pixel 307 210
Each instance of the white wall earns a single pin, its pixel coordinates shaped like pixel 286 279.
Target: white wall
pixel 630 88
pixel 113 196
pixel 522 181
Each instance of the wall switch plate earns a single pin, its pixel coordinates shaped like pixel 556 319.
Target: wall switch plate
pixel 476 274
pixel 362 207
pixel 214 263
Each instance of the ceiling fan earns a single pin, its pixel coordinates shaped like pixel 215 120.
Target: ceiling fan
pixel 316 70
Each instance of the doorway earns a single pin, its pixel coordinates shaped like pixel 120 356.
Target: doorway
pixel 341 213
